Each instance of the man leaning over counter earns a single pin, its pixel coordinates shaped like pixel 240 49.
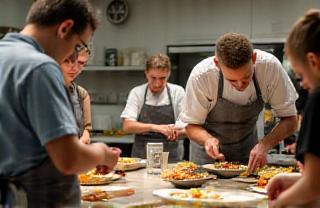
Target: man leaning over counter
pixel 224 97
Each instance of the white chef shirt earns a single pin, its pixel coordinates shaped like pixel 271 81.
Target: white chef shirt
pixel 136 99
pixel 202 89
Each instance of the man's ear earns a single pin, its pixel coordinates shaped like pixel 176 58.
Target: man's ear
pixel 64 29
pixel 216 61
pixel 254 57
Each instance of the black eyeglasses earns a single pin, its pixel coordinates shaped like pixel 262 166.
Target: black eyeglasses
pixel 84 47
pixel 78 48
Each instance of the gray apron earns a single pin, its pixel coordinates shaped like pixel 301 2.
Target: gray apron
pixel 156 115
pixel 42 186
pixel 77 106
pixel 233 125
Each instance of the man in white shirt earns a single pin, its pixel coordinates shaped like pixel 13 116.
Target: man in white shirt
pixel 152 110
pixel 224 96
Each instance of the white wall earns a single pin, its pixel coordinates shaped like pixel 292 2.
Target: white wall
pixel 14 12
pixel 153 24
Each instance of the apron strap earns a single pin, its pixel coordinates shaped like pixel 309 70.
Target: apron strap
pixel 256 84
pixel 220 85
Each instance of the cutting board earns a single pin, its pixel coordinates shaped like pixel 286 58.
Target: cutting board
pixel 112 191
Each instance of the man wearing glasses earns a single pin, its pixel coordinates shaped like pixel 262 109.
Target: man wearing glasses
pixel 79 96
pixel 224 97
pixel 40 152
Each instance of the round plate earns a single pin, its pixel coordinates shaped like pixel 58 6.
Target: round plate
pixel 258 189
pixel 245 179
pixel 227 173
pixel 103 180
pixel 229 197
pixel 191 183
pixel 140 163
pixel 108 191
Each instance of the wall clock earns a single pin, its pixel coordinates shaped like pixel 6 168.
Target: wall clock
pixel 117 11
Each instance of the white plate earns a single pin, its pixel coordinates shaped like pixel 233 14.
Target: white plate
pixel 105 179
pixel 245 179
pixel 258 189
pixel 229 198
pixel 281 159
pixel 191 183
pixel 228 173
pixel 140 163
pixel 112 191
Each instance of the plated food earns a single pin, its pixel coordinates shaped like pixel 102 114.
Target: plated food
pixel 104 193
pixel 130 163
pixel 267 172
pixel 196 193
pixel 95 195
pixel 225 169
pixel 258 189
pixel 184 170
pixel 210 197
pixel 186 175
pixel 97 176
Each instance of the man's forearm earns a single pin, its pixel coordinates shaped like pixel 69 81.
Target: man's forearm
pixel 197 133
pixel 286 127
pixel 70 156
pixel 136 127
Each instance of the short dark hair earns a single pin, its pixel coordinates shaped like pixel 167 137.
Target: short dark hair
pixel 234 50
pixel 304 37
pixel 52 12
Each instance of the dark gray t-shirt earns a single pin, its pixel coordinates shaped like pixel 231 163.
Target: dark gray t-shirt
pixel 34 106
pixel 309 135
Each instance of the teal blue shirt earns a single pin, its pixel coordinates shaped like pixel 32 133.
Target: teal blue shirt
pixel 34 105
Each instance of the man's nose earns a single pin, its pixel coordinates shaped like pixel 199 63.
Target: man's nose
pixel 240 84
pixel 158 83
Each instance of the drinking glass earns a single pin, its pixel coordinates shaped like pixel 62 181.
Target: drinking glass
pixel 154 158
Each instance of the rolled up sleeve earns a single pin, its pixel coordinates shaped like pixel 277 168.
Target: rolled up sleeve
pixel 133 106
pixel 281 93
pixel 198 100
